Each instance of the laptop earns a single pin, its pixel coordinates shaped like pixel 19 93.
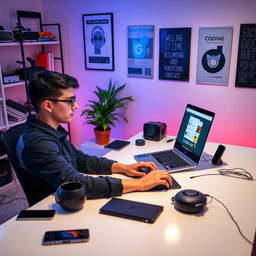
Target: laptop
pixel 189 144
pixel 132 210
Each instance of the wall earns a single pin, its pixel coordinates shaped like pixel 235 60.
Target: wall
pixel 235 121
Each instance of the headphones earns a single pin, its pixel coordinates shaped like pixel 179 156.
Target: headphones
pixel 94 30
pixel 189 201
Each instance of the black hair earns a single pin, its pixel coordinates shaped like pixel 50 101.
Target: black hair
pixel 47 84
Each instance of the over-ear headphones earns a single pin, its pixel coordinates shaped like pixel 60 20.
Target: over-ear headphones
pixel 189 201
pixel 94 30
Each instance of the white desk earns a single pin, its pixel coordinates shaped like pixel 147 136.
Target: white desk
pixel 174 233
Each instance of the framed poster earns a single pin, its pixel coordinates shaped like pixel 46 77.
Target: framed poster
pixel 140 51
pixel 246 60
pixel 98 41
pixel 213 56
pixel 174 53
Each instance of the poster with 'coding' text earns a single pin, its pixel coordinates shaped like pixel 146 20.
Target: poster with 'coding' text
pixel 213 58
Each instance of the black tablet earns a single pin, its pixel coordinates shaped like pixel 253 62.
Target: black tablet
pixel 117 144
pixel 132 210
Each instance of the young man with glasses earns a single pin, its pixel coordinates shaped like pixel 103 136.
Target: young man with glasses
pixel 50 159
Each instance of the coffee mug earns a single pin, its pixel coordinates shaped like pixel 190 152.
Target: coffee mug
pixel 71 196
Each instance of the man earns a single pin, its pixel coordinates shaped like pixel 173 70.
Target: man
pixel 50 159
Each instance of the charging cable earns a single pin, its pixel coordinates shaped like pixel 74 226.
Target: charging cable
pixel 239 229
pixel 239 173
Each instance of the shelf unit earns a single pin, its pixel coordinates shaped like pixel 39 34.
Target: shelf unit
pixel 5 124
pixel 22 45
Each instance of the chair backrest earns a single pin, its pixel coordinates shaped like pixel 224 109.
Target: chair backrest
pixel 9 140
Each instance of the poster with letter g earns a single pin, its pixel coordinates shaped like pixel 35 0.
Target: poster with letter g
pixel 213 57
pixel 140 51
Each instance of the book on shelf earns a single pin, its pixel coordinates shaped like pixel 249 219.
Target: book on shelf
pixel 16 111
pixel 17 106
pixel 45 60
pixel 15 118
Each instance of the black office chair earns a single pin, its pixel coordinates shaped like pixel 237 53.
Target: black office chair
pixel 9 140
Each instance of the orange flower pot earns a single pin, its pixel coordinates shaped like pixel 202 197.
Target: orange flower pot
pixel 102 137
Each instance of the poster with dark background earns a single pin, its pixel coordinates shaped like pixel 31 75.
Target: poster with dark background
pixel 174 54
pixel 246 60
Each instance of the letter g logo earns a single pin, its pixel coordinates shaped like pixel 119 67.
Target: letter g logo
pixel 139 48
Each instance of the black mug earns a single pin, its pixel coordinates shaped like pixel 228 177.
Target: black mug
pixel 71 196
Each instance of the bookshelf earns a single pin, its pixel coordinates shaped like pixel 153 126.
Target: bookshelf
pixel 24 46
pixel 4 122
pixel 11 51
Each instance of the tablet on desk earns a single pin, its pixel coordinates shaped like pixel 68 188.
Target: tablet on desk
pixel 132 210
pixel 117 144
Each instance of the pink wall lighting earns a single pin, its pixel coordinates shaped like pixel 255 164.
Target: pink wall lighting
pixel 157 100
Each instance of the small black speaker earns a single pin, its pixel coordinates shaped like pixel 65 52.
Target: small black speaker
pixel 154 131
pixel 216 160
pixel 189 201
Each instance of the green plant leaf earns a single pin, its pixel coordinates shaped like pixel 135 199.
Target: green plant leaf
pixel 105 111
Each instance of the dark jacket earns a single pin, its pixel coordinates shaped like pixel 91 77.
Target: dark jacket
pixel 50 160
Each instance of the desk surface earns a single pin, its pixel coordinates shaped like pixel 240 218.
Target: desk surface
pixel 174 233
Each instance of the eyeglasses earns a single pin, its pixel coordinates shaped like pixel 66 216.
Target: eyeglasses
pixel 70 101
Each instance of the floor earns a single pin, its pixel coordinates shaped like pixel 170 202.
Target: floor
pixel 12 200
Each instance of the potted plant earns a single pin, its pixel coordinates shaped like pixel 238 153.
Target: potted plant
pixel 103 112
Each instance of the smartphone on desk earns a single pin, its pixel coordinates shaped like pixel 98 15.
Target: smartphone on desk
pixel 36 215
pixel 66 236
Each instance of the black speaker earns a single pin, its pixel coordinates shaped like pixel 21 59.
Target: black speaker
pixel 154 131
pixel 189 201
pixel 216 160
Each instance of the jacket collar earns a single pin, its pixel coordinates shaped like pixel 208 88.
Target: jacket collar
pixel 59 133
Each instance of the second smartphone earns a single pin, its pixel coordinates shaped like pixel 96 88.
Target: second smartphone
pixel 36 215
pixel 66 236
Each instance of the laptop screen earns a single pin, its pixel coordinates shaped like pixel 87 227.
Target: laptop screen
pixel 194 130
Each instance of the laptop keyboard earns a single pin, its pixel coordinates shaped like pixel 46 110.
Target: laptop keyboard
pixel 169 159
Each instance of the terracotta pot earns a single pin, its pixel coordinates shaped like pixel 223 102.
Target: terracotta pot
pixel 102 137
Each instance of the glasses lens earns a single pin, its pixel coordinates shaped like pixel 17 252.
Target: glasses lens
pixel 72 101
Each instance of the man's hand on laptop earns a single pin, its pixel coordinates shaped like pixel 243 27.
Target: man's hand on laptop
pixel 148 181
pixel 133 170
pixel 154 178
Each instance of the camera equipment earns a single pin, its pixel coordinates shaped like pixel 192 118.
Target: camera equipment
pixel 20 33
